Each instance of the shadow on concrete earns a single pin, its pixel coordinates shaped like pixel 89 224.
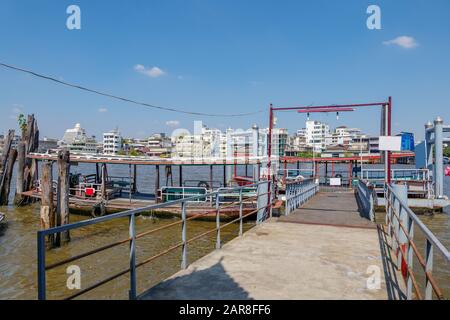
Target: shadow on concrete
pixel 393 288
pixel 208 284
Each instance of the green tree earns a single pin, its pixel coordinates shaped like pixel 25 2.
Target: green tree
pixel 447 151
pixel 307 154
pixel 134 153
pixel 22 121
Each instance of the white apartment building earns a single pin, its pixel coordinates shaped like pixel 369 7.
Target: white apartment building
pixel 212 143
pixel 316 133
pixel 189 146
pixel 112 142
pixel 207 143
pixel 159 145
pixel 76 141
pixel 344 135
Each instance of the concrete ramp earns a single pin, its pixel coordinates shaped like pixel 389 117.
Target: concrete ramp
pixel 289 261
pixel 333 209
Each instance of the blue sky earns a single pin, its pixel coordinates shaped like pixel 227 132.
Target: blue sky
pixel 226 57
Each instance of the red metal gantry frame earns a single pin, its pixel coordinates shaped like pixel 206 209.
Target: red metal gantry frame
pixel 387 115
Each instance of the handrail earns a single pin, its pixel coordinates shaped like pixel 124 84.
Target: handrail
pixel 298 192
pixel 264 200
pixel 401 221
pixel 367 197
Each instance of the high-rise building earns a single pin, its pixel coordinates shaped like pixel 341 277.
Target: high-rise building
pixel 316 134
pixel 112 142
pixel 76 141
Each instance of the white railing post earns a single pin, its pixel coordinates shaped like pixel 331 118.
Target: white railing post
pixel 183 236
pixel 241 204
pixel 409 259
pixel 428 269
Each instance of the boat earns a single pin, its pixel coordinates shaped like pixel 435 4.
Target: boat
pixel 243 181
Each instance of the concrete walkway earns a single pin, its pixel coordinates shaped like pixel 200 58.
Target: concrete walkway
pixel 288 261
pixel 331 208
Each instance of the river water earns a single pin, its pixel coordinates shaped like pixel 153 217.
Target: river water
pixel 18 245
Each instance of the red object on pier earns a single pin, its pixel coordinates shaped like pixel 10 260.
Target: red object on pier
pixel 447 171
pixel 90 192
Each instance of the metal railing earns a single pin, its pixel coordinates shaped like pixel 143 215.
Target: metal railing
pixel 294 173
pixel 396 174
pixel 264 201
pixel 175 193
pixel 297 193
pixel 401 221
pixel 367 197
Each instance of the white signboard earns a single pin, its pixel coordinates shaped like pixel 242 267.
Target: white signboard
pixel 335 181
pixel 388 143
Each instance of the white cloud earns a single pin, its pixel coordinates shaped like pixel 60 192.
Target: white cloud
pixel 153 72
pixel 402 41
pixel 173 123
pixel 17 109
pixel 102 110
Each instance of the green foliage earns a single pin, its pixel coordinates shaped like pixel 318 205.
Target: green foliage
pixel 134 153
pixel 447 151
pixel 348 154
pixel 22 121
pixel 308 154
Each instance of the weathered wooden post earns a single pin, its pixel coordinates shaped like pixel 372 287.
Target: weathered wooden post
pixel 7 165
pixel 30 171
pixel 104 178
pixel 211 177
pixel 19 173
pixel 62 216
pixel 97 173
pixel 7 177
pixel 225 175
pixel 135 179
pixel 156 183
pixel 47 213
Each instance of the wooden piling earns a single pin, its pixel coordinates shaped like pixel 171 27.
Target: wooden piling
pixel 19 173
pixel 181 176
pixel 62 215
pixel 224 175
pixel 134 179
pixel 47 214
pixel 7 177
pixel 157 185
pixel 30 171
pixel 169 176
pixel 97 173
pixel 7 165
pixel 104 179
pixel 211 177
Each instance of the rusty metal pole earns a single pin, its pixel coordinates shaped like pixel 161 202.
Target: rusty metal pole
pixel 269 141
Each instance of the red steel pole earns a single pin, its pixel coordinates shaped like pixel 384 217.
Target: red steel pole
pixel 389 129
pixel 269 141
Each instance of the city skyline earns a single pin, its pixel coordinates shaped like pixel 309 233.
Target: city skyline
pixel 224 57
